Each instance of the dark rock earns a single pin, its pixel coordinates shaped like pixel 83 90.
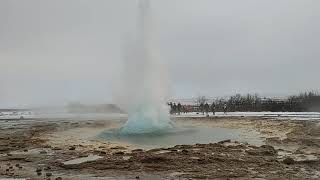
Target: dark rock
pixel 38 169
pixel 17 165
pixel 28 160
pixel 153 159
pixel 137 177
pixel 48 174
pixel 185 151
pixel 59 178
pixel 118 148
pixel 99 152
pixel 119 153
pixel 268 150
pixel 288 161
pixel 47 168
pixel 225 141
pixel 39 173
pixel 72 148
pixel 102 152
pixel 56 149
pixel 137 150
pixel 83 155
pixel 47 146
pixel 43 152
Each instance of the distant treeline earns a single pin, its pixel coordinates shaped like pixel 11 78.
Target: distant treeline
pixel 304 102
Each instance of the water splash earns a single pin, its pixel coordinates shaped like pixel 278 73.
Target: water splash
pixel 146 79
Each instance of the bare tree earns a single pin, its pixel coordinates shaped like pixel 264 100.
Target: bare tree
pixel 201 100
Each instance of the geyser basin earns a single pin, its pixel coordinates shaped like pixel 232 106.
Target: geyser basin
pixel 181 135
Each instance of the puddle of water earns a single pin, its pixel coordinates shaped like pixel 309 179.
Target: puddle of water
pixel 182 135
pixel 82 160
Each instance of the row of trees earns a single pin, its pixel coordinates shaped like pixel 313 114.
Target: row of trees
pixel 304 102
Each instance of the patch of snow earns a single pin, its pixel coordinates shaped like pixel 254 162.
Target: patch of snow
pixel 275 115
pixel 82 160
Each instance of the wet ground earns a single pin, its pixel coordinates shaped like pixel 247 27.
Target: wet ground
pixel 58 149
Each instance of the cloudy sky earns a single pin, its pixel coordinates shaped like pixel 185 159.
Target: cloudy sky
pixel 57 51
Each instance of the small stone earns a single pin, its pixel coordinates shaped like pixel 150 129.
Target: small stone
pixel 185 151
pixel 102 152
pixel 48 174
pixel 47 168
pixel 137 150
pixel 119 153
pixel 56 149
pixel 39 173
pixel 59 178
pixel 288 161
pixel 83 155
pixel 38 169
pixel 17 165
pixel 43 152
pixel 225 141
pixel 72 148
pixel 137 177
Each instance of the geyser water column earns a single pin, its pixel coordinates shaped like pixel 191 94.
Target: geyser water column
pixel 146 83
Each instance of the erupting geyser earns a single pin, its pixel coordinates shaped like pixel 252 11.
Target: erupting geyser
pixel 146 81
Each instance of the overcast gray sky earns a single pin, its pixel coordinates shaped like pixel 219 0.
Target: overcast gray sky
pixel 58 51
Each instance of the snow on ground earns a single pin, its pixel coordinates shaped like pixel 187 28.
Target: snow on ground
pixel 274 115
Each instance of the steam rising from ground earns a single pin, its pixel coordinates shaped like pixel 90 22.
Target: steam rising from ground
pixel 145 79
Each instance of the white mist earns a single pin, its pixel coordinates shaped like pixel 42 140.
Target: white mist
pixel 145 79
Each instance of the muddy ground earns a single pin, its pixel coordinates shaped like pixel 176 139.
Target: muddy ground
pixel 291 151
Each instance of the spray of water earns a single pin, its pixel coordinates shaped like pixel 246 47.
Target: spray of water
pixel 146 79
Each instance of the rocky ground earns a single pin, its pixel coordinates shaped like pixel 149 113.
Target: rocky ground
pixel 291 151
